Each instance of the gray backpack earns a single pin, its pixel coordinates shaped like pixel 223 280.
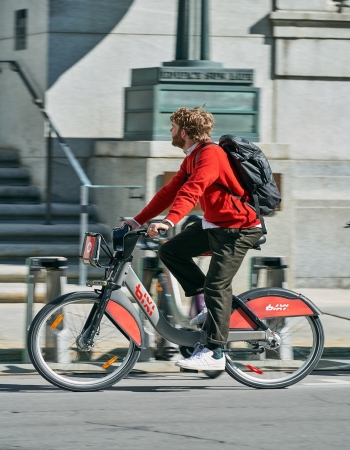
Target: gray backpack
pixel 254 173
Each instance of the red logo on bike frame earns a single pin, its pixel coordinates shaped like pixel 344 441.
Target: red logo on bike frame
pixel 145 300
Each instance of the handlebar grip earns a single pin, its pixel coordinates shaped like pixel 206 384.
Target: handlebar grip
pixel 143 232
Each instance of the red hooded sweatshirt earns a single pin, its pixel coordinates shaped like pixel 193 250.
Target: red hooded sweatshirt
pixel 219 207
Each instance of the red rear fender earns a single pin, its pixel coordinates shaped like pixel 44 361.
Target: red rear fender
pixel 268 303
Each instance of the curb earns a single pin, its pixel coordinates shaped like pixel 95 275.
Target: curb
pixel 12 368
pixel 162 367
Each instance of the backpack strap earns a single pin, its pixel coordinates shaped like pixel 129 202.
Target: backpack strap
pixel 202 145
pixel 227 189
pixel 258 212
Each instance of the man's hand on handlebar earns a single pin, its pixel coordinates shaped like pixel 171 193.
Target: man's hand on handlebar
pixel 155 228
pixel 131 222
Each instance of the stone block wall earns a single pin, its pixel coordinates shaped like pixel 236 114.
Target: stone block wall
pixel 309 230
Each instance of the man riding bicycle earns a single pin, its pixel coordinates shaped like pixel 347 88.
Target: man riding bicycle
pixel 229 228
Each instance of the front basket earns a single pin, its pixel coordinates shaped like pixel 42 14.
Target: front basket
pixel 90 253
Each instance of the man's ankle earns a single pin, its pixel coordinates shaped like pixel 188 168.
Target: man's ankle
pixel 212 346
pixel 216 349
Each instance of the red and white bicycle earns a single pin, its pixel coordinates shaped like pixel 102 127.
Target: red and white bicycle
pixel 86 341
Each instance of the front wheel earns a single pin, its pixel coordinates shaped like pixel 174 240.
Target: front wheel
pixel 300 348
pixel 53 346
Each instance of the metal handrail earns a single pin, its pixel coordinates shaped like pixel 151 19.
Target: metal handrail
pixel 84 180
pixel 40 104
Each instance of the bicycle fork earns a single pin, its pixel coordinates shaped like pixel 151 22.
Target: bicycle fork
pixel 114 281
pixel 86 339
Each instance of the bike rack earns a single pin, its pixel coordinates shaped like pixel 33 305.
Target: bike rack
pixel 274 266
pixel 55 279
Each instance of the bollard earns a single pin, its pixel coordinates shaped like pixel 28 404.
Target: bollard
pixel 274 265
pixel 54 267
pixel 148 266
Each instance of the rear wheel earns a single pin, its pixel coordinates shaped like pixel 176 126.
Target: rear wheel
pixel 300 348
pixel 53 345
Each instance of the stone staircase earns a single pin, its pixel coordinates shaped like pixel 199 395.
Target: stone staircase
pixel 23 232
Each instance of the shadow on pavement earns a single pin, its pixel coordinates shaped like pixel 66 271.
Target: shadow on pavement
pixel 17 369
pixel 26 388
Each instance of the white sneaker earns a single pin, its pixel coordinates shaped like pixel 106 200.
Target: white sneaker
pixel 202 360
pixel 200 318
pixel 197 348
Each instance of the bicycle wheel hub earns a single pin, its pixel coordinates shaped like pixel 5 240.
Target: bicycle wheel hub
pixel 273 340
pixel 82 344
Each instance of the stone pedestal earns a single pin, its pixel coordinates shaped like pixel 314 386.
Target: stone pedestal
pixel 156 92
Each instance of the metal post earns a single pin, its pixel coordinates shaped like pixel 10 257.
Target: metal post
pixel 147 352
pixel 182 38
pixel 48 174
pixel 275 277
pixel 54 267
pixel 205 31
pixel 57 349
pixel 275 267
pixel 84 202
pixel 34 269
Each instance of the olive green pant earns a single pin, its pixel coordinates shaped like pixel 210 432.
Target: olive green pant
pixel 228 247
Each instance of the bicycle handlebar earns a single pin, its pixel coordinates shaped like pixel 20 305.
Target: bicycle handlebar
pixel 143 232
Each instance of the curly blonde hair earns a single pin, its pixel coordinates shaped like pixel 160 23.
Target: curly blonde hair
pixel 196 122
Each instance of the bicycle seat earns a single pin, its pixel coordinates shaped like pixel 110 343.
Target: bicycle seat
pixel 261 241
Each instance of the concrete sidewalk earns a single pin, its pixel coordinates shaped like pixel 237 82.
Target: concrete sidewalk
pixel 335 303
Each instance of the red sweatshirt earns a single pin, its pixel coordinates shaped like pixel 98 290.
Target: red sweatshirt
pixel 219 207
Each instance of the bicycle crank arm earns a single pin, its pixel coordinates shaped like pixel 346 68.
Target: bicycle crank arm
pixel 235 336
pixel 243 351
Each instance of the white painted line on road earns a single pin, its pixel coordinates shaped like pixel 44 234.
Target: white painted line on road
pixel 334 380
pixel 324 384
pixel 328 383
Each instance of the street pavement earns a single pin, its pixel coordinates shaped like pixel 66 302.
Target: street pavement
pixel 172 411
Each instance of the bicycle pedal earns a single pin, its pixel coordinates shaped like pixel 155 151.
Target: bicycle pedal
pixel 188 370
pixel 91 283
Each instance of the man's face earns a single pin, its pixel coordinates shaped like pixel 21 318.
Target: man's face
pixel 175 131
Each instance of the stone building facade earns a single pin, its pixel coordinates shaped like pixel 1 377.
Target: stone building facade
pixel 79 56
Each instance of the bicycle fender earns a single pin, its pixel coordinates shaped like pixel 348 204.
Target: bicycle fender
pixel 271 302
pixel 123 314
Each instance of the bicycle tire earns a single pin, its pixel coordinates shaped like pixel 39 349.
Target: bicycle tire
pixel 213 373
pixel 54 352
pixel 273 371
